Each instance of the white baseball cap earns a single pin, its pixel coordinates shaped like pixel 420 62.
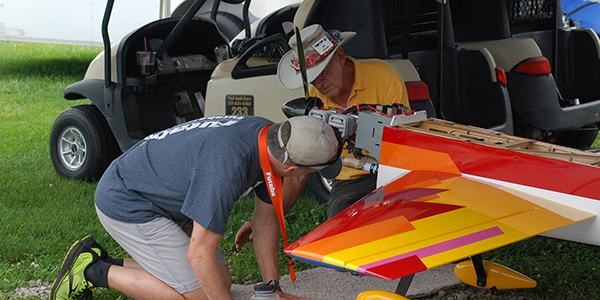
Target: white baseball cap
pixel 318 46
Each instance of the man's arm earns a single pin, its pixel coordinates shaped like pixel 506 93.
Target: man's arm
pixel 265 228
pixel 292 188
pixel 202 255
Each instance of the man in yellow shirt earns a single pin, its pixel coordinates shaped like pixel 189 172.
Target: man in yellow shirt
pixel 341 81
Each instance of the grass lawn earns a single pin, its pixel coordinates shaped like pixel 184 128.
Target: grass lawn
pixel 42 214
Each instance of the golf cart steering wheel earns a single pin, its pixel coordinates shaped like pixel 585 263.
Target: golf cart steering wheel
pixel 241 68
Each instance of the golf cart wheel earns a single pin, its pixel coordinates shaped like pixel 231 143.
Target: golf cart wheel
pixel 81 143
pixel 578 139
pixel 319 187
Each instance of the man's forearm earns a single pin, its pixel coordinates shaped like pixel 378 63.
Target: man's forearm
pixel 266 241
pixel 209 275
pixel 202 255
pixel 266 248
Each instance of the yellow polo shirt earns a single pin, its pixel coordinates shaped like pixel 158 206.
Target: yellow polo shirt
pixel 375 82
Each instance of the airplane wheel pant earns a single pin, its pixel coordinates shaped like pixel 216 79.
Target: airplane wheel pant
pixel 379 295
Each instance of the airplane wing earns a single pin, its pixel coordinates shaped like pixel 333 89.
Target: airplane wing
pixel 564 175
pixel 426 218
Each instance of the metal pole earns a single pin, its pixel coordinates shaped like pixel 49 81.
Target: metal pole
pixel 246 18
pixel 106 40
pixel 165 9
pixel 441 58
pixel 178 29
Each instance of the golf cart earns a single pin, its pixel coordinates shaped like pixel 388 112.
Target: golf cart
pixel 462 81
pixel 469 79
pixel 553 70
pixel 407 39
pixel 130 101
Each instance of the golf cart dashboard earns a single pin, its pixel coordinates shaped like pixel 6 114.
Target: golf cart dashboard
pixel 192 51
pixel 188 63
pixel 174 65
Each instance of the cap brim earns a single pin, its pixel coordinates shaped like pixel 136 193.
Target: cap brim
pixel 292 79
pixel 332 171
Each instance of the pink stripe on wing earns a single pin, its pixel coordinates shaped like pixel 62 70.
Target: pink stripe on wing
pixel 439 248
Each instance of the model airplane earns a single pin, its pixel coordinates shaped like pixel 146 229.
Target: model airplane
pixel 447 192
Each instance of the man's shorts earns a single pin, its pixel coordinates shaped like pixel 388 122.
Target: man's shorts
pixel 160 247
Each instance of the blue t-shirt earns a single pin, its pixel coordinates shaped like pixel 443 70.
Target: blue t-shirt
pixel 196 170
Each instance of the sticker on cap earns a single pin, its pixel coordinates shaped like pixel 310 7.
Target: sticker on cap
pixel 322 45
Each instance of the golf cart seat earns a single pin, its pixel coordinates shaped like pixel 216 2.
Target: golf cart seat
pixel 362 17
pixel 465 88
pixel 229 24
pixel 365 18
pixel 279 21
pixel 580 69
pixel 550 68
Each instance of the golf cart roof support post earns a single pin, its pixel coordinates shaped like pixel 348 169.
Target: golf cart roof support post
pixel 165 9
pixel 215 9
pixel 410 11
pixel 106 40
pixel 246 18
pixel 557 19
pixel 179 27
pixel 440 57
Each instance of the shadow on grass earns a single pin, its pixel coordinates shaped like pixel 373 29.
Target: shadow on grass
pixel 45 67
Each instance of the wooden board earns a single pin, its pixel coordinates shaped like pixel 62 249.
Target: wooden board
pixel 496 139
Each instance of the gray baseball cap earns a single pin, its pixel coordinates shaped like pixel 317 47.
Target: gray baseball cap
pixel 313 144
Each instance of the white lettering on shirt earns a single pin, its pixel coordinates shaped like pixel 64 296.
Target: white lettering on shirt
pixel 209 122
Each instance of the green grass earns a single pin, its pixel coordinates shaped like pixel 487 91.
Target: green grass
pixel 41 214
pixel 596 143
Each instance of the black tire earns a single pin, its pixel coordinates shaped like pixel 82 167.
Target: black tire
pixel 81 143
pixel 319 187
pixel 578 139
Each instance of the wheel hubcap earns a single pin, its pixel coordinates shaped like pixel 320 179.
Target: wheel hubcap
pixel 72 148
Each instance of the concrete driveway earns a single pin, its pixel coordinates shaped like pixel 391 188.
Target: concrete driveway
pixel 326 284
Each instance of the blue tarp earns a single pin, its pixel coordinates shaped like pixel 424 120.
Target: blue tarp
pixel 587 17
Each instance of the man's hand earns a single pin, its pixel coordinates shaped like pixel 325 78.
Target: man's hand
pixel 244 235
pixel 283 295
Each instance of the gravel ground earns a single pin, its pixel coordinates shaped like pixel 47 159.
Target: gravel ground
pixel 34 288
pixel 326 284
pixel 317 284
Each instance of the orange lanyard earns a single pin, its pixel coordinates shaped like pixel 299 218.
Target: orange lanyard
pixel 275 189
